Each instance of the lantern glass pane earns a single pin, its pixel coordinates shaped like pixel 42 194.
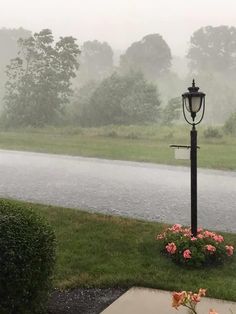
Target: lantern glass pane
pixel 196 103
pixel 186 102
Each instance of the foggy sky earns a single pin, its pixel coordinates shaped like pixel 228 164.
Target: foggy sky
pixel 119 22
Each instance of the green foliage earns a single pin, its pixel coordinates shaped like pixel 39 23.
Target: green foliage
pixel 212 132
pixel 207 248
pixel 220 95
pixel 27 251
pixel 213 49
pixel 172 111
pixel 230 125
pixel 96 61
pixel 170 85
pixel 79 111
pixel 151 55
pixel 38 82
pixel 8 44
pixel 212 55
pixel 123 100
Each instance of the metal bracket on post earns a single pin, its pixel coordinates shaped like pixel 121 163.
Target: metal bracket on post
pixel 182 151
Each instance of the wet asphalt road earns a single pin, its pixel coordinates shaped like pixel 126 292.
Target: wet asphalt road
pixel 140 190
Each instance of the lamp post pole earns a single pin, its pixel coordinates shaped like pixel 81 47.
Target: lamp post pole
pixel 193 157
pixel 193 102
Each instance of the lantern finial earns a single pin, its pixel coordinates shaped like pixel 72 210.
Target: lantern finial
pixel 193 88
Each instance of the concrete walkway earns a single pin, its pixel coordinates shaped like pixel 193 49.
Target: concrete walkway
pixel 152 301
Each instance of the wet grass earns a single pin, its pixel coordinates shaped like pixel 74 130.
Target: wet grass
pixel 105 251
pixel 138 143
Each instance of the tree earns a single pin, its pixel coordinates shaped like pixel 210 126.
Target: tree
pixel 172 111
pixel 78 111
pixel 213 49
pixel 220 95
pixel 96 61
pixel 124 99
pixel 230 124
pixel 8 44
pixel 151 55
pixel 38 84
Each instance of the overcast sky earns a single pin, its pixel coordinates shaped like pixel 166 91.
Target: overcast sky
pixel 119 22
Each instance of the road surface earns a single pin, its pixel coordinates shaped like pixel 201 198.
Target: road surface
pixel 140 190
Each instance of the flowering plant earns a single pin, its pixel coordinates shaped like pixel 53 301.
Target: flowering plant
pixel 206 248
pixel 189 299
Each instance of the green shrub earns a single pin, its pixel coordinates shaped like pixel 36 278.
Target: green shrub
pixel 211 132
pixel 111 133
pixel 27 255
pixel 132 135
pixel 230 125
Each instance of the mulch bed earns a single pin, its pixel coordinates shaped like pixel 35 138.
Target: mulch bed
pixel 82 301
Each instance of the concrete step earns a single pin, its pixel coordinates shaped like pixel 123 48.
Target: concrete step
pixel 153 301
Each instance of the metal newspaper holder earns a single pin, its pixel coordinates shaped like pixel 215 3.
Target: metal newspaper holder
pixel 182 151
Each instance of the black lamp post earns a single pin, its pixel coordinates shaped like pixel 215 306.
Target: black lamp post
pixel 193 102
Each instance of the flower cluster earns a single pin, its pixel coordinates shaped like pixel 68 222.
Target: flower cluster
pixel 205 249
pixel 189 299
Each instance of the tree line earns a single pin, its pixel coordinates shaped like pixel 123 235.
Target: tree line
pixel 48 82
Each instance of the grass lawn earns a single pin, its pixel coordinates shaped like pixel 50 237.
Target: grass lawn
pixel 105 251
pixel 138 143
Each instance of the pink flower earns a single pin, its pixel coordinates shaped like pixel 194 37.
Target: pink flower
pixel 202 292
pixel 186 229
pixel 199 230
pixel 195 298
pixel 187 254
pixel 229 250
pixel 218 238
pixel 210 248
pixel 186 232
pixel 200 236
pixel 176 228
pixel 178 298
pixel 209 234
pixel 188 299
pixel 171 248
pixel 188 235
pixel 193 239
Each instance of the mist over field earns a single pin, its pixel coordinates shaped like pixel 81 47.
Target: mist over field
pixel 126 63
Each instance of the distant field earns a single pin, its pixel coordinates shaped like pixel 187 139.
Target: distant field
pixel 138 143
